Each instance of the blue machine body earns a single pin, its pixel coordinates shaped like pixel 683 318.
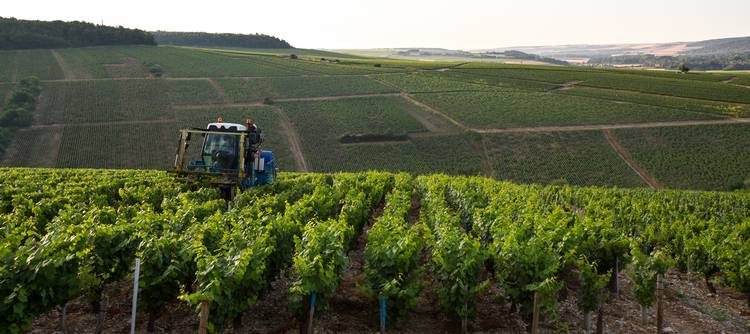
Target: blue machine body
pixel 261 170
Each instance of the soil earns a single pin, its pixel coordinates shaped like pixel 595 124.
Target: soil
pixel 67 73
pixel 688 308
pixel 569 85
pixel 294 143
pixel 423 106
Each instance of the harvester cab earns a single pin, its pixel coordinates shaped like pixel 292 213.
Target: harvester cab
pixel 229 156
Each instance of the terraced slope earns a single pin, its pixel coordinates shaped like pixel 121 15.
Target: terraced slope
pixel 526 123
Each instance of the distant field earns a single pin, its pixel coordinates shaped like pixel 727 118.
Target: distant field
pixel 36 148
pixel 672 86
pixel 181 62
pixel 322 123
pixel 256 89
pixel 103 101
pixel 702 157
pixel 515 108
pixel 731 109
pixel 505 82
pixel 102 62
pixel 107 107
pixel 447 154
pixel 7 65
pixel 308 65
pixel 742 80
pixel 560 73
pixel 192 92
pixel 295 51
pixel 118 146
pixel 4 91
pixel 428 82
pixel 25 63
pixel 577 158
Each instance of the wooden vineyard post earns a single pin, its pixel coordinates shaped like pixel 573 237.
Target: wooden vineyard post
pixel 382 314
pixel 535 317
pixel 587 322
pixel 464 321
pixel 134 307
pixel 616 284
pixel 63 316
pixel 659 303
pixel 313 298
pixel 203 328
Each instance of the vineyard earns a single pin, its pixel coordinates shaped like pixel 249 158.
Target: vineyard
pixel 516 108
pixel 451 242
pixel 326 112
pixel 248 90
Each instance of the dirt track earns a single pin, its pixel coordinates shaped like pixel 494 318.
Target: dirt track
pixel 294 143
pixel 634 165
pixel 67 73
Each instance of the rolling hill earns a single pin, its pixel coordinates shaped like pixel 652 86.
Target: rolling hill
pixel 106 107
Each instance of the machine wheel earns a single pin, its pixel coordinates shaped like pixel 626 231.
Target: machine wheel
pixel 227 193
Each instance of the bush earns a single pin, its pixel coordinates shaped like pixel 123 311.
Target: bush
pixel 293 56
pixel 155 69
pixel 4 139
pixel 19 110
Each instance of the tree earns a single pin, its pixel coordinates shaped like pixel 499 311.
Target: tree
pixel 683 68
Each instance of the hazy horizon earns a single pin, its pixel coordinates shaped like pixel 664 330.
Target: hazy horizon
pixel 464 25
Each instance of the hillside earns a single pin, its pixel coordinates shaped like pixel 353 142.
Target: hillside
pixel 717 46
pixel 335 252
pixel 27 34
pixel 254 41
pixel 711 46
pixel 104 107
pixel 708 55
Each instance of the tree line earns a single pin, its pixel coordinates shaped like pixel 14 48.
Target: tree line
pixel 258 41
pixel 28 34
pixel 727 61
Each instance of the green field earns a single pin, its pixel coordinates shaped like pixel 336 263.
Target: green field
pixel 714 107
pixel 26 63
pixel 701 157
pixel 102 62
pixel 420 117
pixel 577 158
pixel 35 148
pixel 429 82
pixel 192 92
pixel 7 65
pixel 181 62
pixel 515 108
pixel 322 123
pixel 103 101
pixel 742 80
pixel 257 89
pixel 118 146
pixel 501 81
pixel 663 85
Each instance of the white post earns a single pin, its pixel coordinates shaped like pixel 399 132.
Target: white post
pixel 135 294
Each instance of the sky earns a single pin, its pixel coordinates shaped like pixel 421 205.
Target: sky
pixel 465 24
